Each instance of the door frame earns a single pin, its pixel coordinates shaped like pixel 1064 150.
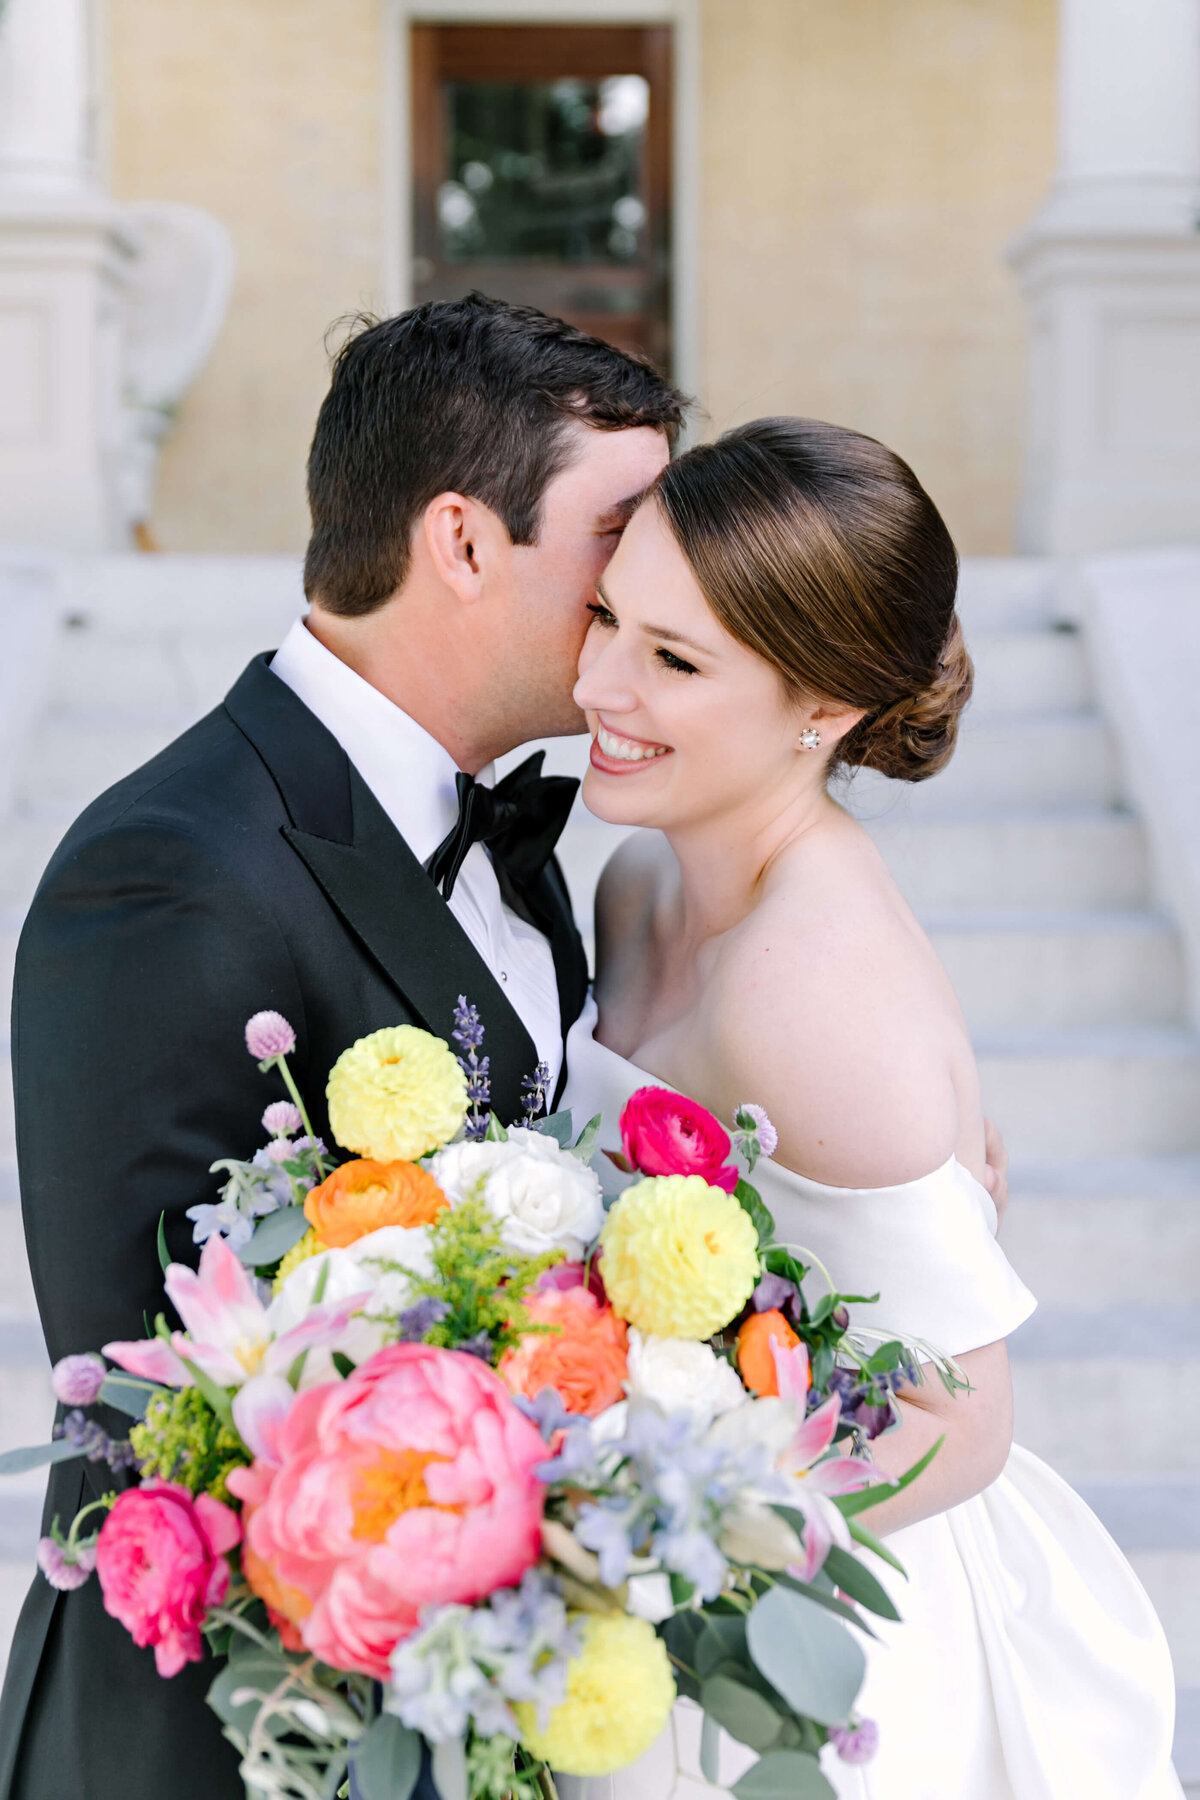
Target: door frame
pixel 396 185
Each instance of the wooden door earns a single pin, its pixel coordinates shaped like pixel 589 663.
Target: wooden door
pixel 542 172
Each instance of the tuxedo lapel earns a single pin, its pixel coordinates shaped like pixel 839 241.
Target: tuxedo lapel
pixel 373 880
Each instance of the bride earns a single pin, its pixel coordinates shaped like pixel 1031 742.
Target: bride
pixel 782 607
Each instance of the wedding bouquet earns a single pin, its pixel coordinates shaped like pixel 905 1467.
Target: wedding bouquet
pixel 455 1450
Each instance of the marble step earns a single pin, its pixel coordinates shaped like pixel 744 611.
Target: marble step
pixel 1047 760
pixel 1061 968
pixel 1073 859
pixel 1028 672
pixel 1108 1234
pixel 1120 1090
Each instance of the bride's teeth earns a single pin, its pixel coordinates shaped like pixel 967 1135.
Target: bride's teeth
pixel 624 750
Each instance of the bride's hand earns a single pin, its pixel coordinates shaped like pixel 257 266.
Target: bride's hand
pixel 995 1176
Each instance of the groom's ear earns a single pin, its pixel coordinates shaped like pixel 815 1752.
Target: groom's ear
pixel 464 540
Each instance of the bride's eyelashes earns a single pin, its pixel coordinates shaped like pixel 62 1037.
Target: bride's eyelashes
pixel 607 620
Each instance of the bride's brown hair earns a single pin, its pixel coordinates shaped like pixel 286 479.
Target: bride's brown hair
pixel 819 549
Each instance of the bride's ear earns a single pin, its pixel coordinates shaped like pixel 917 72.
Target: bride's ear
pixel 821 727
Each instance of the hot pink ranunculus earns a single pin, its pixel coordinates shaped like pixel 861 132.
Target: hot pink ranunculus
pixel 664 1133
pixel 409 1484
pixel 161 1563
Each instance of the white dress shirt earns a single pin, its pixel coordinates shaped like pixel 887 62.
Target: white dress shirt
pixel 412 777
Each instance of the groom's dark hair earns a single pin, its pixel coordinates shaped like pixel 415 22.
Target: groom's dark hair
pixel 472 396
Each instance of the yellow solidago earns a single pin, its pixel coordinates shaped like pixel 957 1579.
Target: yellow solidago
pixel 680 1257
pixel 309 1245
pixel 396 1095
pixel 620 1692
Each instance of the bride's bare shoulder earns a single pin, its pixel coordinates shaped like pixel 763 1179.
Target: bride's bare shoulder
pixel 833 1013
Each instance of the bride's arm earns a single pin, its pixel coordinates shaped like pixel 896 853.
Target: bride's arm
pixel 976 1426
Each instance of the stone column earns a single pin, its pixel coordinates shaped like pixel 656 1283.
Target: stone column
pixel 63 262
pixel 1110 269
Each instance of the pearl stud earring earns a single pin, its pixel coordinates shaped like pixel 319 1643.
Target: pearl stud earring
pixel 809 739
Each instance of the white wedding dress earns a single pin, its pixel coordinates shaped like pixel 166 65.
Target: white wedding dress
pixel 1030 1664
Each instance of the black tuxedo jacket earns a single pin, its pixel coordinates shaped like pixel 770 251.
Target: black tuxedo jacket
pixel 247 866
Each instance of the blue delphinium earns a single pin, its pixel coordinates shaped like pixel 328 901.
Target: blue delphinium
pixel 464 1665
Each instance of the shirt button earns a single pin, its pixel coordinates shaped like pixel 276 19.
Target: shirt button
pixel 504 974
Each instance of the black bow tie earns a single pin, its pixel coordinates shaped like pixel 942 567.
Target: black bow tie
pixel 520 820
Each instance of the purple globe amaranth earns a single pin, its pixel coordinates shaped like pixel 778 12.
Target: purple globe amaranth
pixel 77 1380
pixel 268 1036
pixel 60 1571
pixel 855 1743
pixel 282 1119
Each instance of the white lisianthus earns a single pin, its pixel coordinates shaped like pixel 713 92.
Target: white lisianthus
pixel 681 1375
pixel 542 1197
pixel 364 1267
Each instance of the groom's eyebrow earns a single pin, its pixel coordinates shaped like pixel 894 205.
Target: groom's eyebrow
pixel 617 517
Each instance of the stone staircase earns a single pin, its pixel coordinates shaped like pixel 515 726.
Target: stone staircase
pixel 1034 882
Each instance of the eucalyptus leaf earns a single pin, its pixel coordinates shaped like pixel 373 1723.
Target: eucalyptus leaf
pixel 710 1750
pixel 807 1654
pixel 278 1233
pixel 584 1147
pixel 386 1761
pixel 128 1394
pixel 854 1579
pixel 828 1600
pixel 784 1775
pixel 760 1216
pixel 34 1456
pixel 745 1714
pixel 560 1126
pixel 450 1770
pixel 723 1639
pixel 250 1675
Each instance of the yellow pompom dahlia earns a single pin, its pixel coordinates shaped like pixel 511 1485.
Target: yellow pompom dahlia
pixel 680 1257
pixel 620 1692
pixel 396 1095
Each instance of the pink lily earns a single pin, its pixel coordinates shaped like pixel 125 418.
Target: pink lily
pixel 229 1334
pixel 816 1481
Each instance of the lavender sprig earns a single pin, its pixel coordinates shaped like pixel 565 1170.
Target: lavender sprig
pixel 89 1436
pixel 468 1035
pixel 534 1088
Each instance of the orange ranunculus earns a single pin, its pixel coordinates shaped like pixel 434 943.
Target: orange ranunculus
pixel 756 1365
pixel 364 1196
pixel 585 1357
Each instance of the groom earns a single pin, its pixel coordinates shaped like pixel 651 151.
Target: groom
pixel 316 845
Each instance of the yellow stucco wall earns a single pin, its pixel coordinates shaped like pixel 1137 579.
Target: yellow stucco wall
pixel 863 163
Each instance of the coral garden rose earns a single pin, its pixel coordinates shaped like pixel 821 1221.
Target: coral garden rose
pixel 680 1257
pixel 160 1560
pixel 542 1197
pixel 396 1095
pixel 409 1484
pixel 583 1356
pixel 364 1196
pixel 755 1358
pixel 664 1133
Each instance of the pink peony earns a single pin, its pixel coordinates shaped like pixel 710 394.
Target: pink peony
pixel 409 1484
pixel 161 1563
pixel 664 1133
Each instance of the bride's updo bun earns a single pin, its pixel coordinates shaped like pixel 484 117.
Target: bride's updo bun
pixel 819 549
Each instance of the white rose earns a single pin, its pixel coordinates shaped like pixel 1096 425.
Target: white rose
pixel 542 1197
pixel 356 1269
pixel 683 1376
